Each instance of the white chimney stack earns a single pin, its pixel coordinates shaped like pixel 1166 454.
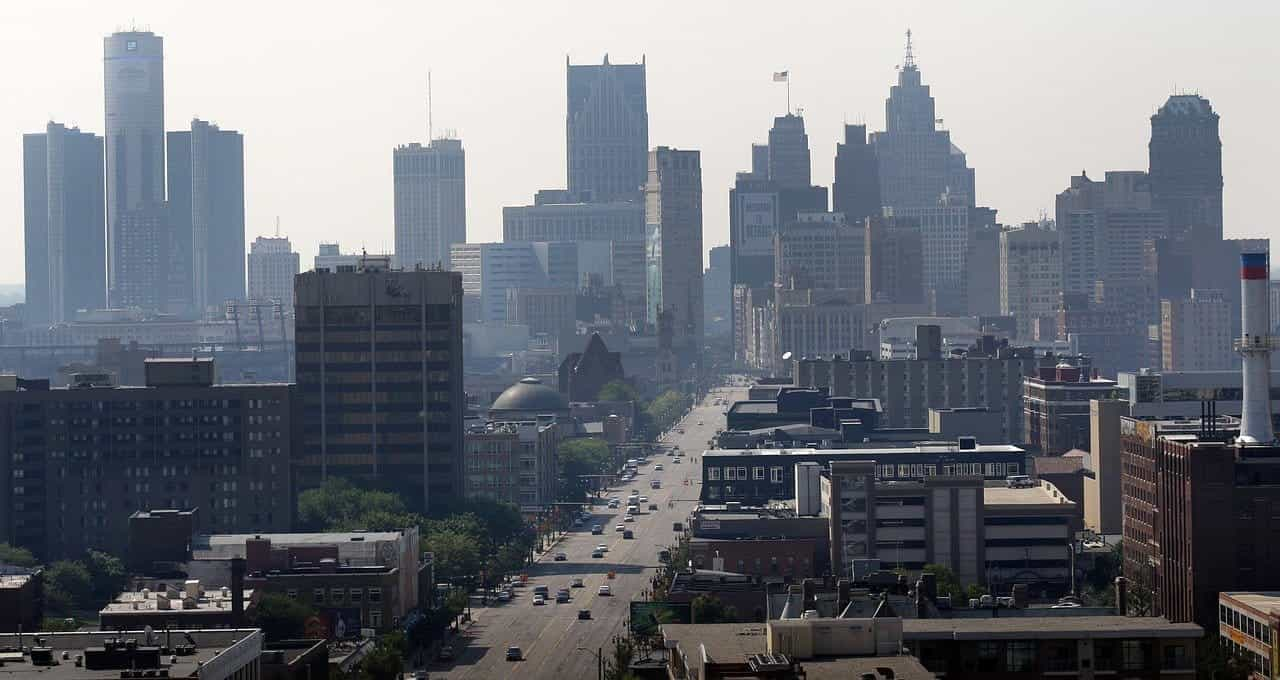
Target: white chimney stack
pixel 1254 346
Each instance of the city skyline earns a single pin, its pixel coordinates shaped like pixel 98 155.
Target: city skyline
pixel 510 161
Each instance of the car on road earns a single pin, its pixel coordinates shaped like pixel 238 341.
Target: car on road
pixel 577 522
pixel 584 614
pixel 644 499
pixel 596 554
pixel 504 596
pixel 562 596
pixel 576 582
pixel 620 527
pixel 677 526
pixel 629 518
pixel 699 423
pixel 604 591
pixel 560 557
pixel 628 534
pixel 538 600
pixel 514 654
pixel 596 530
pixel 675 461
pixel 658 467
pixel 653 506
pixel 613 504
pixel 602 547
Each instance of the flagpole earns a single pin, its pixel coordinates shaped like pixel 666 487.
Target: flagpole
pixel 788 92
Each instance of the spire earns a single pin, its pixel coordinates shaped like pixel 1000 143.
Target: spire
pixel 910 60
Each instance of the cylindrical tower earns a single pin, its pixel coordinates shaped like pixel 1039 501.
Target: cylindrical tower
pixel 1254 346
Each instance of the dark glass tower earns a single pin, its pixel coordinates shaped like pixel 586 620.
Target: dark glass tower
pixel 1186 167
pixel 856 189
pixel 607 130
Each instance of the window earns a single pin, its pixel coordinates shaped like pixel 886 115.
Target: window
pixel 355 595
pixel 375 595
pixel 292 593
pixel 335 595
pixel 742 473
pixel 317 596
pixel 713 474
pixel 1020 656
pixel 1134 655
pixel 1175 658
pixel 731 474
pixel 375 618
pixel 988 656
pixel 757 473
pixel 776 475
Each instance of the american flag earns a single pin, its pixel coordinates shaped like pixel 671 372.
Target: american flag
pixel 781 76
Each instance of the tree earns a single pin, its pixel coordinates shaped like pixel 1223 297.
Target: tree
pixel 281 617
pixel 947 581
pixel 618 390
pixel 340 506
pixel 579 458
pixel 18 557
pixel 711 609
pixel 666 409
pixel 1214 661
pixel 619 666
pixel 106 574
pixel 456 554
pixel 68 587
pixel 385 661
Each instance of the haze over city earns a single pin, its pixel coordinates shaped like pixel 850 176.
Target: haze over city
pixel 323 92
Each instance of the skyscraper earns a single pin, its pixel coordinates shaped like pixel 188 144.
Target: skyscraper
pixel 673 256
pixel 430 201
pixel 133 65
pixel 607 130
pixel 272 264
pixel 789 166
pixel 206 201
pixel 856 189
pixel 1186 167
pixel 1030 278
pixel 918 162
pixel 379 366
pixel 64 225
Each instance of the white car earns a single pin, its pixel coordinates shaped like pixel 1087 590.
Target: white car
pixel 629 518
pixel 644 499
pixel 620 527
pixel 576 582
pixel 658 467
pixel 602 548
pixel 538 599
pixel 604 591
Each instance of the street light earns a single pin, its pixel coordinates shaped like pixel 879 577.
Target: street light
pixel 599 660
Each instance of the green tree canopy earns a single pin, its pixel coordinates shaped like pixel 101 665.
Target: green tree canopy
pixel 281 617
pixel 578 458
pixel 456 554
pixel 386 660
pixel 106 575
pixel 618 390
pixel 339 505
pixel 666 409
pixel 711 609
pixel 68 587
pixel 20 557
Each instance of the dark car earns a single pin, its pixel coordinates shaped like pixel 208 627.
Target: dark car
pixel 584 614
pixel 514 654
pixel 560 557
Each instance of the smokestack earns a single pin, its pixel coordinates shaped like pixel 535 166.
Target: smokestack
pixel 1122 596
pixel 1254 347
pixel 237 590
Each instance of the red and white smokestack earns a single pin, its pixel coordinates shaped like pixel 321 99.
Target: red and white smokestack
pixel 1254 346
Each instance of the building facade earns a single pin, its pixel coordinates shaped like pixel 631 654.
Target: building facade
pixel 1030 277
pixel 1186 167
pixel 513 462
pixel 64 229
pixel 430 201
pixel 821 250
pixel 1055 407
pixel 607 129
pixel 489 270
pixel 1196 333
pixel 379 370
pixel 673 256
pixel 272 266
pixel 895 262
pixel 856 188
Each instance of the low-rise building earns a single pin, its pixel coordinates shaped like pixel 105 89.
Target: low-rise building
pixel 1249 627
pixel 21 601
pixel 1055 407
pixel 211 654
pixel 190 606
pixel 513 462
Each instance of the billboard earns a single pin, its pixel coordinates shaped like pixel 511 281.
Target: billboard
pixel 647 616
pixel 334 624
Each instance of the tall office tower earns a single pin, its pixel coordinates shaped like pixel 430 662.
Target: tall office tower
pixel 430 201
pixel 673 258
pixel 760 160
pixel 856 189
pixel 379 366
pixel 894 262
pixel 918 162
pixel 133 65
pixel 789 166
pixel 717 302
pixel 1196 333
pixel 272 267
pixel 206 208
pixel 822 251
pixel 1031 278
pixel 607 131
pixel 1186 167
pixel 64 225
pixel 488 270
pixel 982 272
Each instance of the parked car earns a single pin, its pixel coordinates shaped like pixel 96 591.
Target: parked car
pixel 504 596
pixel 596 554
pixel 514 654
pixel 446 653
pixel 604 591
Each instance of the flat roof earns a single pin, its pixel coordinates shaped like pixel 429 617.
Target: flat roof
pixel 869 451
pixel 359 546
pixel 211 600
pixel 210 643
pixel 1047 628
pixel 1032 495
pixel 1263 601
pixel 14 580
pixel 754 407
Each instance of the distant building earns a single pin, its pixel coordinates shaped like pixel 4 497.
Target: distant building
pixel 1103 511
pixel 513 462
pixel 1196 333
pixel 821 250
pixel 982 272
pixel 1055 407
pixel 137 251
pixel 563 219
pixel 1186 167
pixel 528 400
pixel 206 201
pixel 92 455
pixel 489 270
pixel 379 369
pixel 607 130
pixel 330 258
pixel 856 189
pixel 895 262
pixel 215 653
pixel 1030 277
pixel 430 201
pixel 789 165
pixel 64 229
pixel 583 374
pixel 272 266
pixel 717 295
pixel 550 311
pixel 673 215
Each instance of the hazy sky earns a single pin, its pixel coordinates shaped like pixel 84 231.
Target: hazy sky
pixel 323 91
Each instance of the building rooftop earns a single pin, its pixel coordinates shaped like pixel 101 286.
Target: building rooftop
pixel 212 646
pixel 360 547
pixel 1263 601
pixel 1047 628
pixel 14 580
pixel 1042 494
pixel 530 395
pixel 933 448
pixel 166 602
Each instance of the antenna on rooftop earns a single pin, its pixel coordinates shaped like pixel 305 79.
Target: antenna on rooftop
pixel 277 226
pixel 430 122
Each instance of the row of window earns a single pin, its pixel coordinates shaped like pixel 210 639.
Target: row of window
pixel 1254 628
pixel 352 596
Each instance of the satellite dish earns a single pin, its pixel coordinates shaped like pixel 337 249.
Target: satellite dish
pixel 786 356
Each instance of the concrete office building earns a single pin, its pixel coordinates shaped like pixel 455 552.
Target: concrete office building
pixel 1248 624
pixel 379 370
pixel 430 200
pixel 489 270
pixel 513 462
pixel 1155 395
pixel 133 65
pixel 1030 277
pixel 982 273
pixel 556 216
pixel 1195 333
pixel 1186 167
pixel 1055 407
pixel 821 250
pixel 1102 491
pixel 607 130
pixel 856 188
pixel 549 311
pixel 789 166
pixel 673 259
pixel 272 266
pixel 330 258
pixel 814 322
pixel 143 278
pixel 717 296
pixel 206 202
pixel 895 262
pixel 64 228
pixel 944 243
pixel 86 457
pixel 986 533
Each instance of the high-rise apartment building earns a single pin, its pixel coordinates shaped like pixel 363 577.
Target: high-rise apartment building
pixel 86 457
pixel 673 258
pixel 133 65
pixel 789 166
pixel 272 267
pixel 430 201
pixel 1105 228
pixel 856 189
pixel 1186 167
pixel 1030 277
pixel 64 227
pixel 1196 333
pixel 1055 407
pixel 206 208
pixel 607 130
pixel 944 243
pixel 379 367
